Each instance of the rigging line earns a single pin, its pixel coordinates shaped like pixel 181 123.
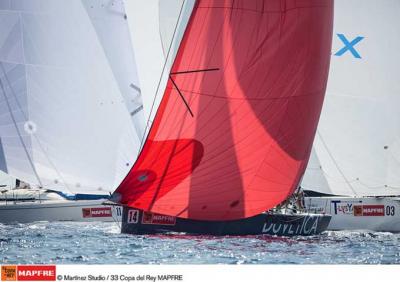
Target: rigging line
pixel 161 76
pixel 193 71
pixel 183 98
pixel 18 131
pixel 202 30
pixel 336 164
pixel 213 48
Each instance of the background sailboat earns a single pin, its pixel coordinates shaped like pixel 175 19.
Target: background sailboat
pixel 234 128
pixel 70 104
pixel 6 181
pixel 357 146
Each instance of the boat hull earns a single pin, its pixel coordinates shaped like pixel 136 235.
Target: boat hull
pixel 138 222
pixel 90 210
pixel 358 213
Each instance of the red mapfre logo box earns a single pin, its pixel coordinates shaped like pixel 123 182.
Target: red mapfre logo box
pixel 158 219
pixel 97 212
pixel 36 273
pixel 369 210
pixel 373 210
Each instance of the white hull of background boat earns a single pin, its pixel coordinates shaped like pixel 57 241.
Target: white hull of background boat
pixel 58 210
pixel 359 213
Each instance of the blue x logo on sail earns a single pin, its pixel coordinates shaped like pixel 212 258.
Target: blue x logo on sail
pixel 349 46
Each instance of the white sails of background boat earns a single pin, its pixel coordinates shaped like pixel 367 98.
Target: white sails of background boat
pixel 71 114
pixel 356 155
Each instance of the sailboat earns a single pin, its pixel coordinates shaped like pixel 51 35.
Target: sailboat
pixel 235 101
pixel 354 171
pixel 6 181
pixel 70 107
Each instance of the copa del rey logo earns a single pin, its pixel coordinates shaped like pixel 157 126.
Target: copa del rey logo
pixel 28 273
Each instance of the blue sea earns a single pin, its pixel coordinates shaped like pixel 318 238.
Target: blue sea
pixel 102 243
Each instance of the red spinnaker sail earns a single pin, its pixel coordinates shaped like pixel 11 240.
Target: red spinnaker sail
pixel 234 129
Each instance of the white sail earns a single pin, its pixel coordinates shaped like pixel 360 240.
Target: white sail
pixel 6 181
pixel 358 140
pixel 63 115
pixel 156 27
pixel 3 165
pixel 110 22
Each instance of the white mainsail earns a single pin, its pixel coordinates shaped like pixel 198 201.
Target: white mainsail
pixel 64 94
pixel 110 22
pixel 6 181
pixel 157 28
pixel 357 146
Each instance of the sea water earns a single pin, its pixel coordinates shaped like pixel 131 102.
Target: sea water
pixel 102 243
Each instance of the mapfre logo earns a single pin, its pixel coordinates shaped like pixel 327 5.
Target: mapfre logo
pixel 97 212
pixel 36 273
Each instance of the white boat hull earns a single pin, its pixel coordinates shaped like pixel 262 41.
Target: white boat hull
pixel 359 213
pixel 64 210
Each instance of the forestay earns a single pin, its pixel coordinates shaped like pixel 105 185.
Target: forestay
pixel 358 140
